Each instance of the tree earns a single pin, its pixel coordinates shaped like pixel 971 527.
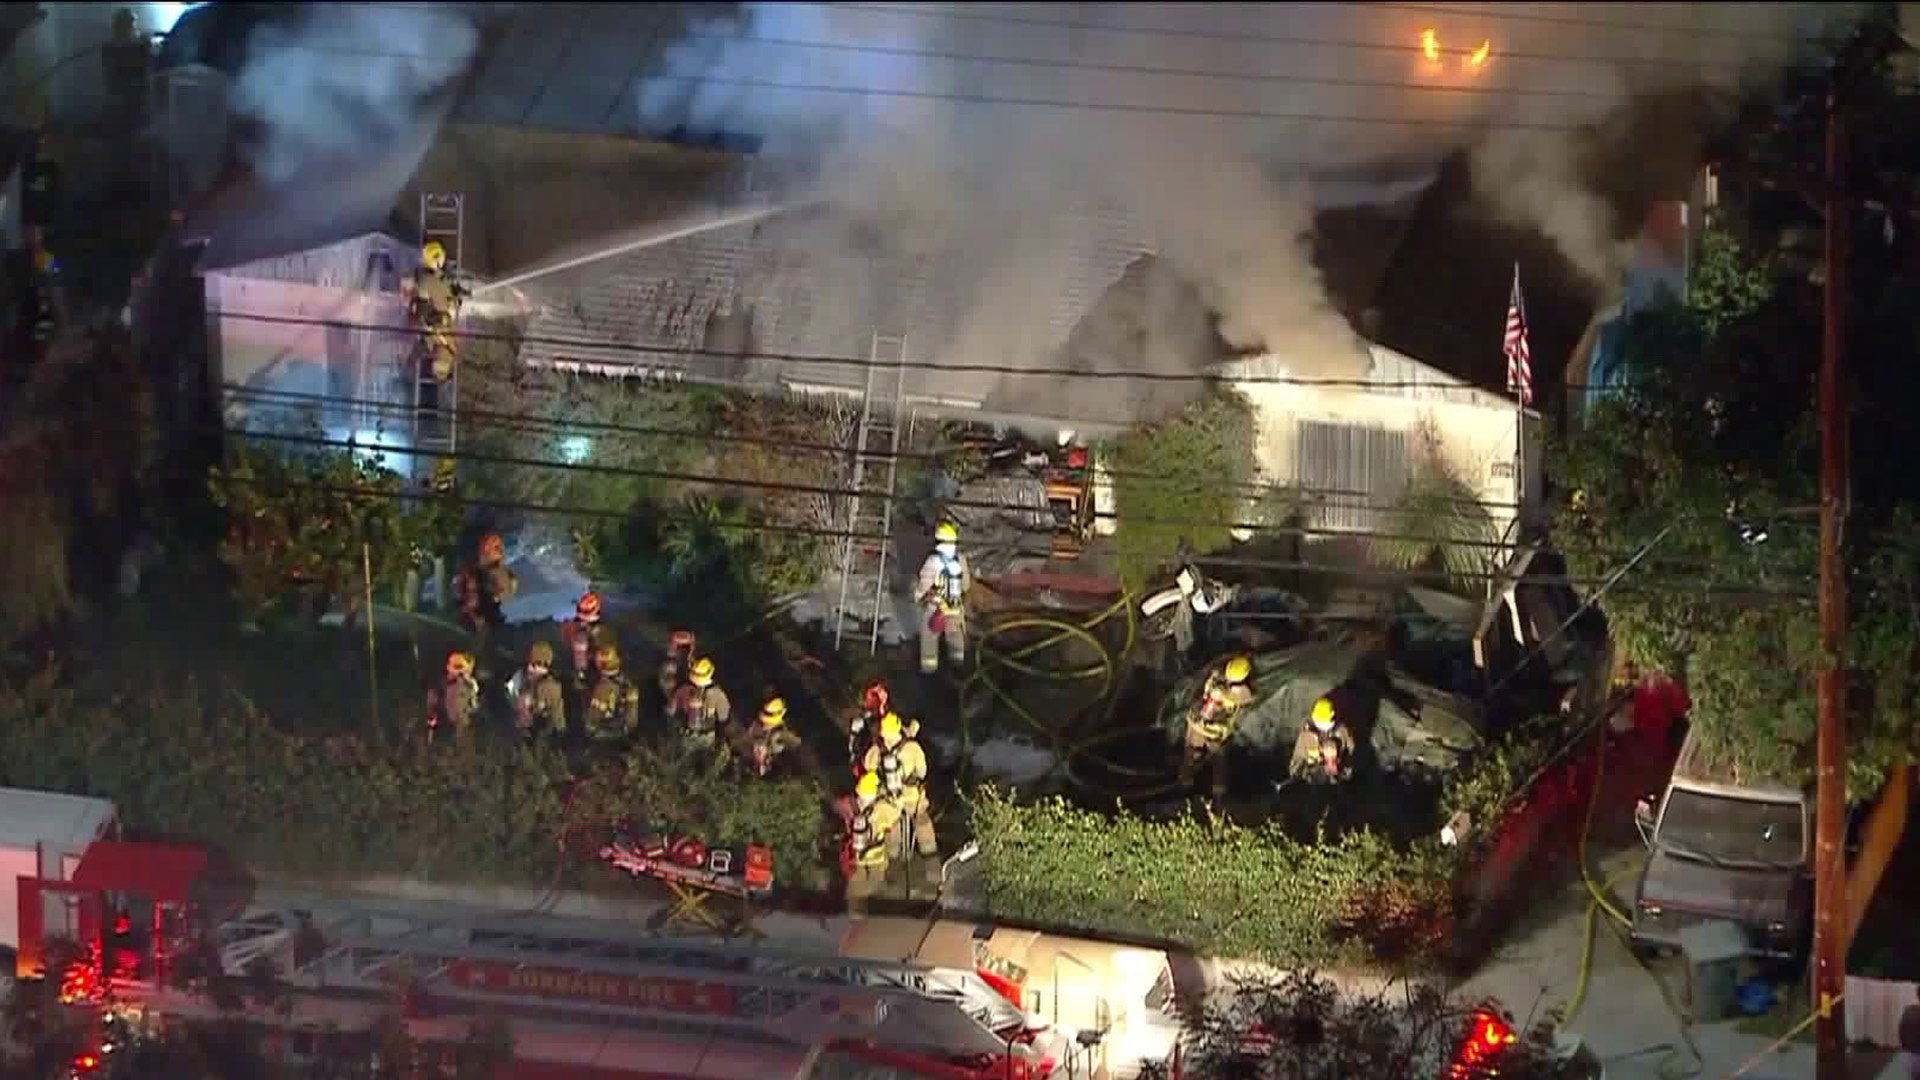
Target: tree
pixel 1438 520
pixel 1702 456
pixel 1304 1027
pixel 80 445
pixel 1184 480
pixel 302 527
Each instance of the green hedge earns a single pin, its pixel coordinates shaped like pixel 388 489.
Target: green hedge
pixel 1219 888
pixel 1172 479
pixel 175 762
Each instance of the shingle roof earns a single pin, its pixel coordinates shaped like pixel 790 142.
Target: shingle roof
pixel 808 289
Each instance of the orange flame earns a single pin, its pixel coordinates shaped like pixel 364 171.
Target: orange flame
pixel 1478 58
pixel 1430 44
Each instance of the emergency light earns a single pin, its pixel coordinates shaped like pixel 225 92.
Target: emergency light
pixel 1488 1037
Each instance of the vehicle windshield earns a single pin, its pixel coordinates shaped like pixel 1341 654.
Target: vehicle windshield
pixel 1723 829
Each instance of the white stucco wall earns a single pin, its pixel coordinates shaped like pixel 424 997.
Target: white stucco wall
pixel 351 359
pixel 1474 431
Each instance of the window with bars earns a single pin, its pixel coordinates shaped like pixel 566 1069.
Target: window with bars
pixel 1352 472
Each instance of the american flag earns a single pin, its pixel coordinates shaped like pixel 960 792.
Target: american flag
pixel 1519 358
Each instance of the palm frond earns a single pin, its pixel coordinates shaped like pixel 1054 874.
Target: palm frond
pixel 1436 524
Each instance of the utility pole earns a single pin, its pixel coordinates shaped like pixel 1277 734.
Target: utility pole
pixel 1830 797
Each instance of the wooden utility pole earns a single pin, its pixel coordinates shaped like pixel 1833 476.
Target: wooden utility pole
pixel 1830 798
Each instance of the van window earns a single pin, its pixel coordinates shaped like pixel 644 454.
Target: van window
pixel 1726 829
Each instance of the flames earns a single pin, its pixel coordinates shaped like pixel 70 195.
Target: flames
pixel 1471 62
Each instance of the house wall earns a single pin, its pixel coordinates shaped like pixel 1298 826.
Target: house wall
pixel 345 361
pixel 1474 439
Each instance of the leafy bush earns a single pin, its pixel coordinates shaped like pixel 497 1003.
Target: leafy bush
pixel 1304 1027
pixel 1219 888
pixel 174 762
pixel 297 523
pixel 1438 520
pixel 1184 479
pixel 1488 788
pixel 726 539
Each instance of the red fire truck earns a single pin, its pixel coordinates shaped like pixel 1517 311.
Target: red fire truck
pixel 153 921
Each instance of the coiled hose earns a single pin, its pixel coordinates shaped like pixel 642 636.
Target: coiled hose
pixel 1068 742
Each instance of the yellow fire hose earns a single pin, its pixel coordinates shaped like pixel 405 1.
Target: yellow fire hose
pixel 1106 669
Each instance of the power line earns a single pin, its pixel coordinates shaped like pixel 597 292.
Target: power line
pixel 1304 532
pixel 864 363
pixel 515 506
pixel 1263 38
pixel 791 488
pixel 557 426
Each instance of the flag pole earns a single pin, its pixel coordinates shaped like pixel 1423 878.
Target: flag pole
pixel 1519 425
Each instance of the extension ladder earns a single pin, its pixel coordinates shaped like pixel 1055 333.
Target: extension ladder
pixel 864 555
pixel 442 216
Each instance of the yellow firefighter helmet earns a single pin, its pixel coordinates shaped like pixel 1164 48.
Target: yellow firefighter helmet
pixel 540 653
pixel 433 255
pixel 774 713
pixel 607 659
pixel 701 673
pixel 946 533
pixel 1323 713
pixel 891 727
pixel 868 786
pixel 1238 669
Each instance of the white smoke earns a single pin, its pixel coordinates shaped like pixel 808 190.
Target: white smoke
pixel 349 82
pixel 1191 130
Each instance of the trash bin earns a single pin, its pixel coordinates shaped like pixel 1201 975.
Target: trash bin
pixel 1716 955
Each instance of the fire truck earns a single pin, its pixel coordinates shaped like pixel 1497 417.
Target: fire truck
pixel 158 925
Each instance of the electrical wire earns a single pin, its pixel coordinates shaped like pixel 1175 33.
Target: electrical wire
pixel 529 422
pixel 1416 50
pixel 1300 566
pixel 862 363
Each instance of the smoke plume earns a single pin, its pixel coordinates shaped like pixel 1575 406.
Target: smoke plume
pixel 1036 150
pixel 349 82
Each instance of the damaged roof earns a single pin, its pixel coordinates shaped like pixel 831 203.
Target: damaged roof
pixel 752 302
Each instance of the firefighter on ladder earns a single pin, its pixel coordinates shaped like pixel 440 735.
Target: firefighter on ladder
pixel 898 760
pixel 484 585
pixel 1324 750
pixel 539 703
pixel 583 634
pixel 870 838
pixel 433 301
pixel 702 710
pixel 613 705
pixel 864 727
pixel 945 579
pixel 1211 722
pixel 770 739
pixel 456 704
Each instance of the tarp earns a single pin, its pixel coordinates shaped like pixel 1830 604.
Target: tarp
pixel 1409 725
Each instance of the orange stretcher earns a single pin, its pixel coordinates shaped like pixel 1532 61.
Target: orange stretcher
pixel 695 875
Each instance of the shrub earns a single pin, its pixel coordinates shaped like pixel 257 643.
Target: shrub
pixel 174 763
pixel 1184 479
pixel 1219 888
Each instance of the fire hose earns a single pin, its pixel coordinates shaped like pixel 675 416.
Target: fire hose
pixel 1066 747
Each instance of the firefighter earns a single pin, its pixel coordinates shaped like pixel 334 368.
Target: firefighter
pixel 1324 750
pixel 1210 723
pixel 433 301
pixel 540 705
pixel 871 836
pixel 613 706
pixel 865 723
pixel 458 701
pixel 945 579
pixel 486 584
pixel 770 739
pixel 584 634
pixel 897 759
pixel 673 667
pixel 702 710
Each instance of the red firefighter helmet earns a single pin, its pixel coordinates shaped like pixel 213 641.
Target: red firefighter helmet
pixel 875 699
pixel 492 548
pixel 587 608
